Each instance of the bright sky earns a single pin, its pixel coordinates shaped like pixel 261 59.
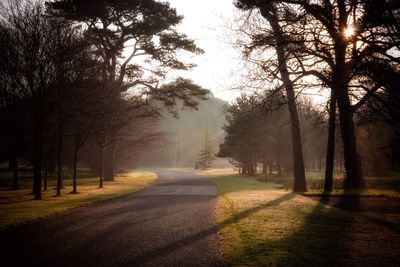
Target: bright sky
pixel 218 69
pixel 205 22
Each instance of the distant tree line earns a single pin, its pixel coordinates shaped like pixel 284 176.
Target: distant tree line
pixel 258 132
pixel 80 82
pixel 257 138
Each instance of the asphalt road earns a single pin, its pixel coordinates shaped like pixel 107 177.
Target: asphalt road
pixel 170 223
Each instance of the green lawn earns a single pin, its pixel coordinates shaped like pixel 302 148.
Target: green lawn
pixel 262 225
pixel 18 206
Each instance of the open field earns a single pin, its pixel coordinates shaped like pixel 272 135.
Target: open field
pixel 18 206
pixel 262 224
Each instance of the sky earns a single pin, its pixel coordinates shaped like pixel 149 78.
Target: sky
pixel 206 22
pixel 219 68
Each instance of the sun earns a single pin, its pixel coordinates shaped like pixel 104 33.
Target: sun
pixel 349 32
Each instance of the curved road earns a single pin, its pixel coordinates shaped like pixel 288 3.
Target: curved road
pixel 170 223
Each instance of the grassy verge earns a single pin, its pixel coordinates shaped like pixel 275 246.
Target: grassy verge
pixel 369 192
pixel 375 185
pixel 262 225
pixel 17 207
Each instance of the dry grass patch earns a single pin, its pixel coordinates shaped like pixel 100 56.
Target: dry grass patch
pixel 17 207
pixel 368 192
pixel 262 225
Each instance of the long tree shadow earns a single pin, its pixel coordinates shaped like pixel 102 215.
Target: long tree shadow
pixel 322 240
pixel 245 213
pixel 328 236
pixel 160 251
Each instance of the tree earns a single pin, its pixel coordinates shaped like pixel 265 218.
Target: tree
pixel 330 50
pixel 45 62
pixel 71 53
pixel 28 62
pixel 207 153
pixel 330 151
pixel 256 131
pixel 278 42
pixel 8 117
pixel 240 135
pixel 145 31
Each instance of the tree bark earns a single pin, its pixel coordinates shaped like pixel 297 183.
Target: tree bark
pixel 270 164
pixel 101 167
pixel 264 166
pixel 59 159
pixel 46 171
pixel 14 153
pixel 75 161
pixel 297 149
pixel 330 152
pixel 37 161
pixel 353 177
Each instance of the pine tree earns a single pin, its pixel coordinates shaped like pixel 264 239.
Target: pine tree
pixel 206 154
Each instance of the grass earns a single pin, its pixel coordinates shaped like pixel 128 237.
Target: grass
pixel 263 225
pixel 374 185
pixel 369 192
pixel 18 207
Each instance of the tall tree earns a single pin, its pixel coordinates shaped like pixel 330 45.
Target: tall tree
pixel 340 38
pixel 330 151
pixel 137 43
pixel 270 13
pixel 42 58
pixel 29 64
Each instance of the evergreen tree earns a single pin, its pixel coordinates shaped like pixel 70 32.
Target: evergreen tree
pixel 206 154
pixel 137 43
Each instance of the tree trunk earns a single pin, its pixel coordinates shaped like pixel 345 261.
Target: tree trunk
pixel 14 153
pixel 297 149
pixel 330 152
pixel 46 171
pixel 279 167
pixel 37 162
pixel 298 163
pixel 270 164
pixel 264 166
pixel 59 159
pixel 353 178
pixel 75 161
pixel 252 168
pixel 109 162
pixel 101 167
pixel 14 167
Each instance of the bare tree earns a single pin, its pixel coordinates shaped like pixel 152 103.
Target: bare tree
pixel 29 64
